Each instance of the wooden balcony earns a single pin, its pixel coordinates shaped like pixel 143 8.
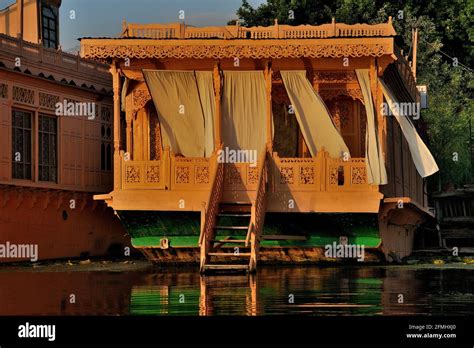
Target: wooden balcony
pixel 60 65
pixel 314 184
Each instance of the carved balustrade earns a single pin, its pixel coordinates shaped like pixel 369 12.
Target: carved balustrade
pixel 320 173
pixel 276 31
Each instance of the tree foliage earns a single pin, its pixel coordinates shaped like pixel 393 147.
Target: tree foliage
pixel 446 32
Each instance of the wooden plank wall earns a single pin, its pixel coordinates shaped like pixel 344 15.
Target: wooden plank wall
pixel 403 178
pixel 79 139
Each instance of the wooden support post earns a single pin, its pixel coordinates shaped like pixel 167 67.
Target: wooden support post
pixel 377 97
pixel 268 87
pixel 218 114
pixel 116 88
pixel 129 136
pixel 415 50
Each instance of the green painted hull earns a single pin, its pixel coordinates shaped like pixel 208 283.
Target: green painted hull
pixel 146 228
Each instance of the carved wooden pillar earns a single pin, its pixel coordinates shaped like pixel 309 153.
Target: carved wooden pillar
pixel 218 115
pixel 377 97
pixel 128 122
pixel 116 88
pixel 129 136
pixel 268 87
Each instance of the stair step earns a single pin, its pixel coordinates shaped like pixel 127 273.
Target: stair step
pixel 234 215
pixel 226 267
pixel 284 237
pixel 230 254
pixel 229 241
pixel 231 227
pixel 235 203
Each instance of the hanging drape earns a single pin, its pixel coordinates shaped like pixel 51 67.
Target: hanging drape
pixel 422 157
pixel 125 85
pixel 205 83
pixel 313 116
pixel 243 110
pixel 376 172
pixel 176 98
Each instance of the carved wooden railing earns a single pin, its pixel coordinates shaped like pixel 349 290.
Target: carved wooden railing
pixel 209 210
pixel 298 174
pixel 258 210
pixel 350 175
pixel 63 62
pixel 190 173
pixel 169 173
pixel 276 31
pixel 241 177
pixel 320 173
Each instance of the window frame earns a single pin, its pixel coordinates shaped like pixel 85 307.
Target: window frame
pixel 41 133
pixel 46 20
pixel 32 146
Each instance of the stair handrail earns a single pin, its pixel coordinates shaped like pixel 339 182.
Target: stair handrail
pixel 208 215
pixel 260 196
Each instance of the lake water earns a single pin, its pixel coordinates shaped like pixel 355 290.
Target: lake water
pixel 323 291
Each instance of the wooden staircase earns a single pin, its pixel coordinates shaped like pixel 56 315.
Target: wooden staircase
pixel 230 249
pixel 231 231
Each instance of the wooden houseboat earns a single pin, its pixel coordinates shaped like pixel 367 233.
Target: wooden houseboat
pixel 52 164
pixel 329 167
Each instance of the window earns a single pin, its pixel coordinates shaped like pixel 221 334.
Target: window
pixel 50 26
pixel 106 139
pixel 47 148
pixel 21 140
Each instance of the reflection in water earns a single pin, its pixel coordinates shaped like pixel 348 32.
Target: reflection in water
pixel 272 291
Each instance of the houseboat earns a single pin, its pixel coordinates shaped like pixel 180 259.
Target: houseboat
pixel 241 145
pixel 56 113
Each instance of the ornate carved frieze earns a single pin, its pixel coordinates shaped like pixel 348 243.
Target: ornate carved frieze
pixel 23 95
pixel 287 175
pixel 47 100
pixel 335 76
pixel 202 175
pixel 307 175
pixel 252 175
pixel 354 93
pixel 358 175
pixel 3 90
pixel 219 51
pixel 333 175
pixel 182 175
pixel 153 173
pixel 140 98
pixel 132 174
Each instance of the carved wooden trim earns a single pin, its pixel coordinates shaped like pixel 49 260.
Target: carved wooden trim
pixel 47 100
pixel 335 77
pixel 354 93
pixel 140 98
pixel 159 50
pixel 3 91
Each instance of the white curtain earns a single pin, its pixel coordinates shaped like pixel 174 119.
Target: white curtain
pixel 243 110
pixel 376 172
pixel 422 157
pixel 176 98
pixel 313 116
pixel 205 83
